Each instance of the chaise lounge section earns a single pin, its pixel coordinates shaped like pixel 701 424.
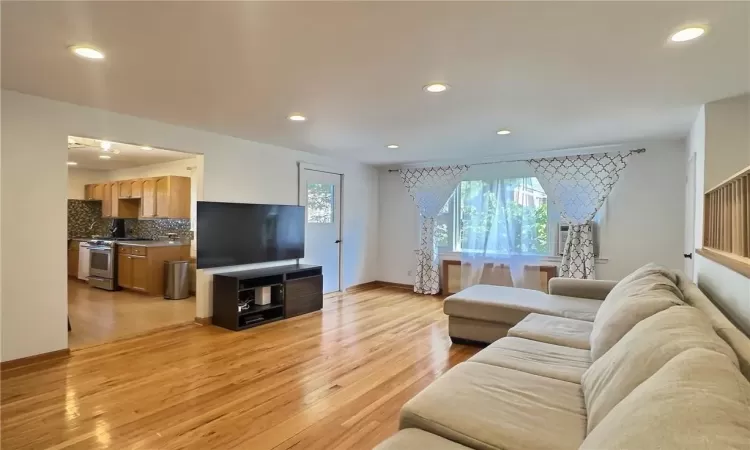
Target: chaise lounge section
pixel 662 368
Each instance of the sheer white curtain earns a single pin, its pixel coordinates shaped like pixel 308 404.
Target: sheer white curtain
pixel 502 231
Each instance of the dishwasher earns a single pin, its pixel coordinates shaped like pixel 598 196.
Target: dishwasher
pixel 84 256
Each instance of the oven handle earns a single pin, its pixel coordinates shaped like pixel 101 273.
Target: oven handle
pixel 101 249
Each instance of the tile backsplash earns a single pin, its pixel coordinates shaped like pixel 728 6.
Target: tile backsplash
pixel 156 228
pixel 85 219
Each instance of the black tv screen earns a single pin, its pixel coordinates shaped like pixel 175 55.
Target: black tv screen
pixel 231 234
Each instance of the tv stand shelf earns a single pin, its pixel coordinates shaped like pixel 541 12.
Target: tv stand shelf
pixel 295 289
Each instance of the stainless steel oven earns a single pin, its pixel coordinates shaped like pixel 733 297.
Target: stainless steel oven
pixel 102 271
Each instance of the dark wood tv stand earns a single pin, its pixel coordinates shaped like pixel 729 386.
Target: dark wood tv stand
pixel 295 289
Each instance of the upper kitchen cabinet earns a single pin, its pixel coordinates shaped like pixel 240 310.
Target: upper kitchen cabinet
pixel 93 192
pixel 106 200
pixel 165 197
pixel 130 189
pixel 119 207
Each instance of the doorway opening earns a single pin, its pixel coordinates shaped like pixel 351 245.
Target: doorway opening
pixel 321 193
pixel 131 211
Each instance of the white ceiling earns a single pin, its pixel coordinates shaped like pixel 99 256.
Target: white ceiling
pixel 558 74
pixel 86 152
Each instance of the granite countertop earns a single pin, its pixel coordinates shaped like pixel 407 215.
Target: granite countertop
pixel 154 243
pixel 143 243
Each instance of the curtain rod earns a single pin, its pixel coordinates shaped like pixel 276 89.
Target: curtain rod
pixel 639 150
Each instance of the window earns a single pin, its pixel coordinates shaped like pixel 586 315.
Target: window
pixel 503 216
pixel 319 203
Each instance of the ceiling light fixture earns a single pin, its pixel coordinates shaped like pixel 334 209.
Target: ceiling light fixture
pixel 688 34
pixel 104 157
pixel 435 88
pixel 105 145
pixel 503 132
pixel 297 118
pixel 72 163
pixel 86 51
pixel 392 146
pixel 146 147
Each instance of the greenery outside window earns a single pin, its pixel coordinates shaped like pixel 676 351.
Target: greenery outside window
pixel 507 216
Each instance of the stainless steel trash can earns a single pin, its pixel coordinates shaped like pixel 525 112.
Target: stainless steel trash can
pixel 176 280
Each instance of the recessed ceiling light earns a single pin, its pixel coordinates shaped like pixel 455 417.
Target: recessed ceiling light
pixel 392 146
pixel 146 147
pixel 86 51
pixel 688 34
pixel 436 88
pixel 104 157
pixel 72 163
pixel 297 118
pixel 105 145
pixel 503 132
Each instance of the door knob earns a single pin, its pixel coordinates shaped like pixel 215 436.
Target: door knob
pixel 687 255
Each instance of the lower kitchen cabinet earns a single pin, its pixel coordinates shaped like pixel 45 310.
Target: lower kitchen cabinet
pixel 141 268
pixel 73 253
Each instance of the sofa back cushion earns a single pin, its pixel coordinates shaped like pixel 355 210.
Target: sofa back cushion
pixel 699 399
pixel 647 278
pixel 643 293
pixel 642 352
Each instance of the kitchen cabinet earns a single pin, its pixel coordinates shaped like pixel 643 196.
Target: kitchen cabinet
pixel 124 271
pixel 166 198
pixel 124 189
pixel 141 268
pixel 106 200
pixel 119 207
pixel 73 253
pixel 130 189
pixel 93 192
pixel 148 198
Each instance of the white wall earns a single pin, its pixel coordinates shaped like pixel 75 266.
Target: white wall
pixel 641 222
pixel 34 142
pixel 78 178
pixel 727 138
pixel 721 143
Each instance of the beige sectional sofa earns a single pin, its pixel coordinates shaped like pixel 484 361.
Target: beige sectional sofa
pixel 648 362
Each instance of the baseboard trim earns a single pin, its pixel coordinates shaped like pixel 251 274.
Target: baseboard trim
pixel 203 321
pixel 396 285
pixel 34 359
pixel 362 287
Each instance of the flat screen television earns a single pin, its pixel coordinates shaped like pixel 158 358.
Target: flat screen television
pixel 230 234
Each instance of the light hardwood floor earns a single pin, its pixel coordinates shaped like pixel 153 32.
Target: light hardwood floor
pixel 99 316
pixel 334 379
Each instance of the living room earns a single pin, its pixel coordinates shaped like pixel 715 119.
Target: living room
pixel 481 87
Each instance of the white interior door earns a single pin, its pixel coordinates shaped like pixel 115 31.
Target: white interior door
pixel 320 193
pixel 690 216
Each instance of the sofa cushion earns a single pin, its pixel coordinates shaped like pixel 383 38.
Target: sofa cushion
pixel 510 305
pixel 641 294
pixel 647 278
pixel 642 352
pixel 554 330
pixel 415 439
pixel 539 358
pixel 488 407
pixel 699 399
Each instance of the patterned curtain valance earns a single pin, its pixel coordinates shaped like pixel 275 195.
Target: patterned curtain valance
pixel 431 187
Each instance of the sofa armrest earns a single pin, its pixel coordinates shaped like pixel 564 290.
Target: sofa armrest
pixel 571 287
